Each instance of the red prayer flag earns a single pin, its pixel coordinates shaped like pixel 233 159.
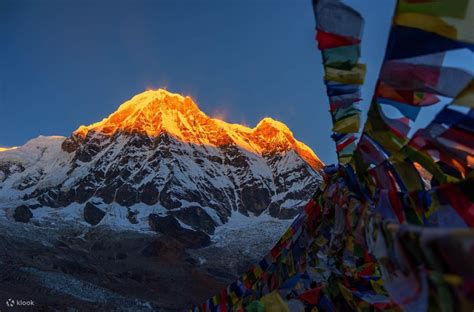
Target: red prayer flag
pixel 463 206
pixel 329 40
pixel 405 96
pixel 397 207
pixel 345 143
pixel 223 304
pixel 311 296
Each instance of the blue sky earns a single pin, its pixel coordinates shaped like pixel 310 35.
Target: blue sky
pixel 67 63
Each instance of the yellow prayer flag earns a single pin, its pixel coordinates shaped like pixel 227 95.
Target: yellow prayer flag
pixel 409 176
pixel 234 298
pixel 347 294
pixel 290 264
pixel 454 280
pixel 354 76
pixel 257 271
pixel 426 22
pixel 274 303
pixel 452 8
pixel 350 243
pixel 377 286
pixel 345 159
pixel 464 26
pixel 287 235
pixel 466 97
pixel 453 19
pixel 347 125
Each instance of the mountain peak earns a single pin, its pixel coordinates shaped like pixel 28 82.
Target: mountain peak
pixel 166 100
pixel 269 122
pixel 144 113
pixel 154 112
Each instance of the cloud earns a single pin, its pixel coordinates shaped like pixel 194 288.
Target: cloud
pixel 220 113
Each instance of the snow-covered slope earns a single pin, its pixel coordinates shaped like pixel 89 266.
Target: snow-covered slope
pixel 158 154
pixel 40 163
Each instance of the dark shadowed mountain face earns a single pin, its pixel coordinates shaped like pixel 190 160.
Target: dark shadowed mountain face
pixel 157 166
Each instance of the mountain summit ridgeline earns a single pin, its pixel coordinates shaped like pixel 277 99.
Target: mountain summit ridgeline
pixel 159 154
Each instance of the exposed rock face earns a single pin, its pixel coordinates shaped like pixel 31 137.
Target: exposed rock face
pixel 92 214
pixel 165 225
pixel 22 214
pixel 170 227
pixel 196 217
pixel 158 153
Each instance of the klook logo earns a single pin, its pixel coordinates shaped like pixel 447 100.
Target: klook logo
pixel 10 303
pixel 19 302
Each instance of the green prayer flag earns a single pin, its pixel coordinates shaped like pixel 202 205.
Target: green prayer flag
pixel 345 57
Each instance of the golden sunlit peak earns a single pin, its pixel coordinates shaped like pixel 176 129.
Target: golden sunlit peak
pixel 270 122
pixel 156 100
pixel 4 149
pixel 144 113
pixel 153 112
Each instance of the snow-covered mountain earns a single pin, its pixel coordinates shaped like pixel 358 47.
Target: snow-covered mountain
pixel 157 159
pixel 157 198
